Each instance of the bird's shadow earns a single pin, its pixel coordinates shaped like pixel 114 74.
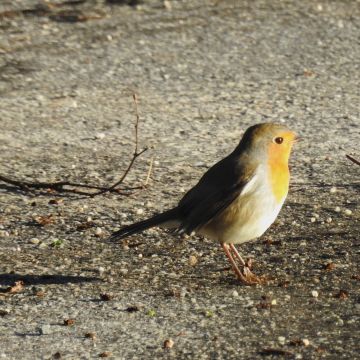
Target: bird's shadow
pixel 10 279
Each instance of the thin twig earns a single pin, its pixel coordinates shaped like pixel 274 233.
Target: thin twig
pixel 60 186
pixel 135 155
pixel 149 172
pixel 357 162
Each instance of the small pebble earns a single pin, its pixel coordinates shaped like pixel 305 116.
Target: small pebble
pixel 329 220
pixel 348 212
pixel 314 294
pixel 192 260
pixel 235 293
pixel 100 136
pixel 98 231
pixel 34 241
pixel 139 211
pixel 140 256
pixel 167 5
pixel 273 302
pixel 313 219
pixel 333 190
pixel 282 339
pixel 306 342
pixel 337 209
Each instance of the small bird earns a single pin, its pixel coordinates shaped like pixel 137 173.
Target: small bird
pixel 237 199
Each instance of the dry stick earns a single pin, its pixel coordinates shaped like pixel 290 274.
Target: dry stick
pixel 357 162
pixel 60 185
pixel 135 156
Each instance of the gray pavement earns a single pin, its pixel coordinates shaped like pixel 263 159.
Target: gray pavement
pixel 204 71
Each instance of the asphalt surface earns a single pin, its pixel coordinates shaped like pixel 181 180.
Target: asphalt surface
pixel 203 72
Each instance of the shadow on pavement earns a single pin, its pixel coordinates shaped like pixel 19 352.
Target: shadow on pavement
pixel 9 279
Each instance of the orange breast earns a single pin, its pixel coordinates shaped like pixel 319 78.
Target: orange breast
pixel 279 175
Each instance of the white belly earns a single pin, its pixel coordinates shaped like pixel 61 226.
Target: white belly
pixel 247 218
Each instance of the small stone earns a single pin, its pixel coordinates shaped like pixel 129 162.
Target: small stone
pixel 312 219
pixel 235 293
pixel 282 340
pixel 333 190
pixel 140 256
pixel 123 271
pixel 306 342
pixel 348 212
pixel 314 294
pixel 34 241
pixel 100 136
pixel 329 220
pixel 139 211
pixel 273 302
pixel 99 232
pixel 337 209
pixel 46 330
pixel 167 5
pixel 192 260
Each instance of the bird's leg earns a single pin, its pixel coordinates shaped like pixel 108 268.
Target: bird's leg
pixel 234 250
pixel 248 275
pixel 238 273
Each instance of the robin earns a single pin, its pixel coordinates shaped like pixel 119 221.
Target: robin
pixel 237 199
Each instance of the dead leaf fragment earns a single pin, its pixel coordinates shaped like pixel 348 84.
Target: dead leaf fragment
pixel 90 335
pixel 17 287
pixel 330 266
pixel 342 295
pixel 69 322
pixel 168 344
pixel 40 293
pixel 106 297
pixel 44 220
pixel 105 354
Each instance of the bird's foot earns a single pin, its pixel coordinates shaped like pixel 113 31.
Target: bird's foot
pixel 251 278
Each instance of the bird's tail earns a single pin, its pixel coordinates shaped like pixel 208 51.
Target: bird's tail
pixel 159 219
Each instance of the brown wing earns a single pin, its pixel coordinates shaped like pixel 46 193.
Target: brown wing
pixel 215 191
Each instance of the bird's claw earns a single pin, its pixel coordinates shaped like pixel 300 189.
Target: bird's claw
pixel 251 278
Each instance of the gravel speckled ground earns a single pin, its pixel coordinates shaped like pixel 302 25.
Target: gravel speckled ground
pixel 204 71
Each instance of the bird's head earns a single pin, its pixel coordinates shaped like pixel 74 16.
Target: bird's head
pixel 269 141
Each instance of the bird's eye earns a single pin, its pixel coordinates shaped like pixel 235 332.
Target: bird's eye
pixel 279 140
